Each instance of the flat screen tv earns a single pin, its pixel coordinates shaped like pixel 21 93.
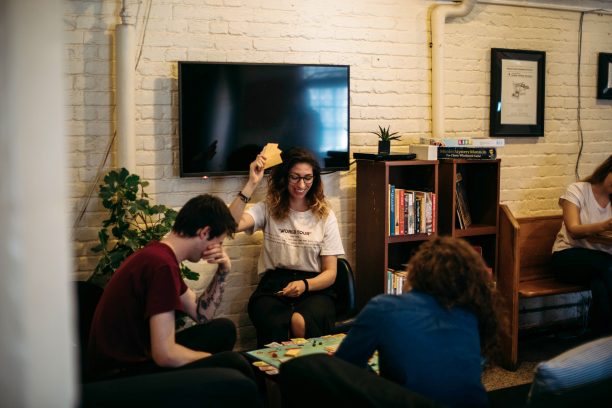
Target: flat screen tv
pixel 228 112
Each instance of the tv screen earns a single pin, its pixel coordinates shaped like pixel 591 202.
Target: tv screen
pixel 228 112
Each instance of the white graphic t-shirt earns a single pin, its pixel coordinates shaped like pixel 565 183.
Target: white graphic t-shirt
pixel 581 195
pixel 297 242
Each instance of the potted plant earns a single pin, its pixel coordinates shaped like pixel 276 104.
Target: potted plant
pixel 132 222
pixel 385 138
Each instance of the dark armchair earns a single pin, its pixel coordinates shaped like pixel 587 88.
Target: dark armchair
pixel 344 287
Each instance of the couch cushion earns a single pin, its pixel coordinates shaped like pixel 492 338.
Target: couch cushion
pixel 586 367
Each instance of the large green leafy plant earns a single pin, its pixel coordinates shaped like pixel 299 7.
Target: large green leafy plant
pixel 132 223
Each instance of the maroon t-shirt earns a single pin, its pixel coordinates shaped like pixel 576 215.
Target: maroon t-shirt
pixel 147 283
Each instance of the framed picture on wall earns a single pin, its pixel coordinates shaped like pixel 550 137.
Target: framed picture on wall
pixel 517 92
pixel 604 76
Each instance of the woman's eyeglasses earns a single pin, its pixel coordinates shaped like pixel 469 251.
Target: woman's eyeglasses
pixel 295 179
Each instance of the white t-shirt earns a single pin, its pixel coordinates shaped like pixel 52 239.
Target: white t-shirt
pixel 581 195
pixel 297 242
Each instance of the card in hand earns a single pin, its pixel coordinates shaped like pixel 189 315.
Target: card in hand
pixel 272 154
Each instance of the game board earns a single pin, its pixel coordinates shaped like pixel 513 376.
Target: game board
pixel 278 353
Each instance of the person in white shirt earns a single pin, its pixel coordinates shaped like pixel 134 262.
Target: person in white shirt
pixel 297 265
pixel 582 252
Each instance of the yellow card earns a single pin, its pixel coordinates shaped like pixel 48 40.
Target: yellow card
pixel 292 352
pixel 273 155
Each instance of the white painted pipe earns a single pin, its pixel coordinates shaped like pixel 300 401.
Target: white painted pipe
pixel 439 14
pixel 125 86
pixel 584 5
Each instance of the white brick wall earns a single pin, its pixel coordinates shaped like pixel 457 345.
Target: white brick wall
pixel 386 42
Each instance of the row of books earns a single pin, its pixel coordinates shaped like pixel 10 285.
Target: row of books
pixel 395 281
pixel 457 148
pixel 411 211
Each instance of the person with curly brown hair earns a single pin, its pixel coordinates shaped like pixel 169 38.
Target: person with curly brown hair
pixel 431 339
pixel 301 244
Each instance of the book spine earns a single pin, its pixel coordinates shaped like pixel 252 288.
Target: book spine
pixel 410 199
pixel 428 213
pixel 392 210
pixel 400 214
pixel 398 228
pixel 482 153
pixel 434 212
pixel 406 218
pixel 417 214
pixel 464 142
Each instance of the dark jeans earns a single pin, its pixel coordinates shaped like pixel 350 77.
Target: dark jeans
pixel 271 314
pixel 582 265
pixel 217 337
pixel 319 380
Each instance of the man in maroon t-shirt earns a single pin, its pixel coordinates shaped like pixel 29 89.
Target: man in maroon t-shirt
pixel 133 329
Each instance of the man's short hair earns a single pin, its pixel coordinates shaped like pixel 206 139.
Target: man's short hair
pixel 204 211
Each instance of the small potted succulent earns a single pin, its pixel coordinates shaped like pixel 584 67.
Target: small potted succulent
pixel 384 139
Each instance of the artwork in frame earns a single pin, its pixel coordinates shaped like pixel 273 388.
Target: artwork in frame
pixel 517 92
pixel 604 76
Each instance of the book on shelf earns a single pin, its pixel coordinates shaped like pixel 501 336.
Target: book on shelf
pixel 425 151
pixel 391 209
pixel 463 208
pixel 463 141
pixel 410 212
pixel 480 153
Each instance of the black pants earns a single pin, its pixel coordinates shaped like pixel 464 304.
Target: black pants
pixel 319 380
pixel 582 265
pixel 217 337
pixel 271 314
pixel 224 379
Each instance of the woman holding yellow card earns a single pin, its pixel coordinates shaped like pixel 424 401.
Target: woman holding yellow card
pixel 298 260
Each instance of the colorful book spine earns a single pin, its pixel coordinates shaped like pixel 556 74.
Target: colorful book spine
pixel 464 141
pixel 399 193
pixel 434 212
pixel 410 205
pixel 392 210
pixel 481 153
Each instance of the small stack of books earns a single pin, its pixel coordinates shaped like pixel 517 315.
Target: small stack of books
pixel 484 148
pixel 396 281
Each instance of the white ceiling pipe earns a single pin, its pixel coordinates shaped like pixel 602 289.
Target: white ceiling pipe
pixel 125 85
pixel 599 6
pixel 439 14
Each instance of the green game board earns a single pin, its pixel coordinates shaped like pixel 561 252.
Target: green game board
pixel 275 356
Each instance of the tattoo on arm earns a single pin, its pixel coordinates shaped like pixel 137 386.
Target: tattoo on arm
pixel 210 300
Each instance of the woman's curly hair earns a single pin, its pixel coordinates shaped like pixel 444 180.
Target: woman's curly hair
pixel 451 271
pixel 278 185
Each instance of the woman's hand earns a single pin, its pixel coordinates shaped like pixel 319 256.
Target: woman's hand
pixel 294 289
pixel 256 169
pixel 215 254
pixel 607 225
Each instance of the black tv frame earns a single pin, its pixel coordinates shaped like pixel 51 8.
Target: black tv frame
pixel 324 168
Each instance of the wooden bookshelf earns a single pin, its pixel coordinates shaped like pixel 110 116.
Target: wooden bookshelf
pixel 481 182
pixel 376 250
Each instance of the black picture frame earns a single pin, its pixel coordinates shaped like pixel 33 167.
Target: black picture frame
pixel 604 76
pixel 517 92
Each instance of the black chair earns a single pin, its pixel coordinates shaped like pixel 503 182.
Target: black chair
pixel 344 287
pixel 87 296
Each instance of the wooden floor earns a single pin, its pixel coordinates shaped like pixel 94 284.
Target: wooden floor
pixel 533 348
